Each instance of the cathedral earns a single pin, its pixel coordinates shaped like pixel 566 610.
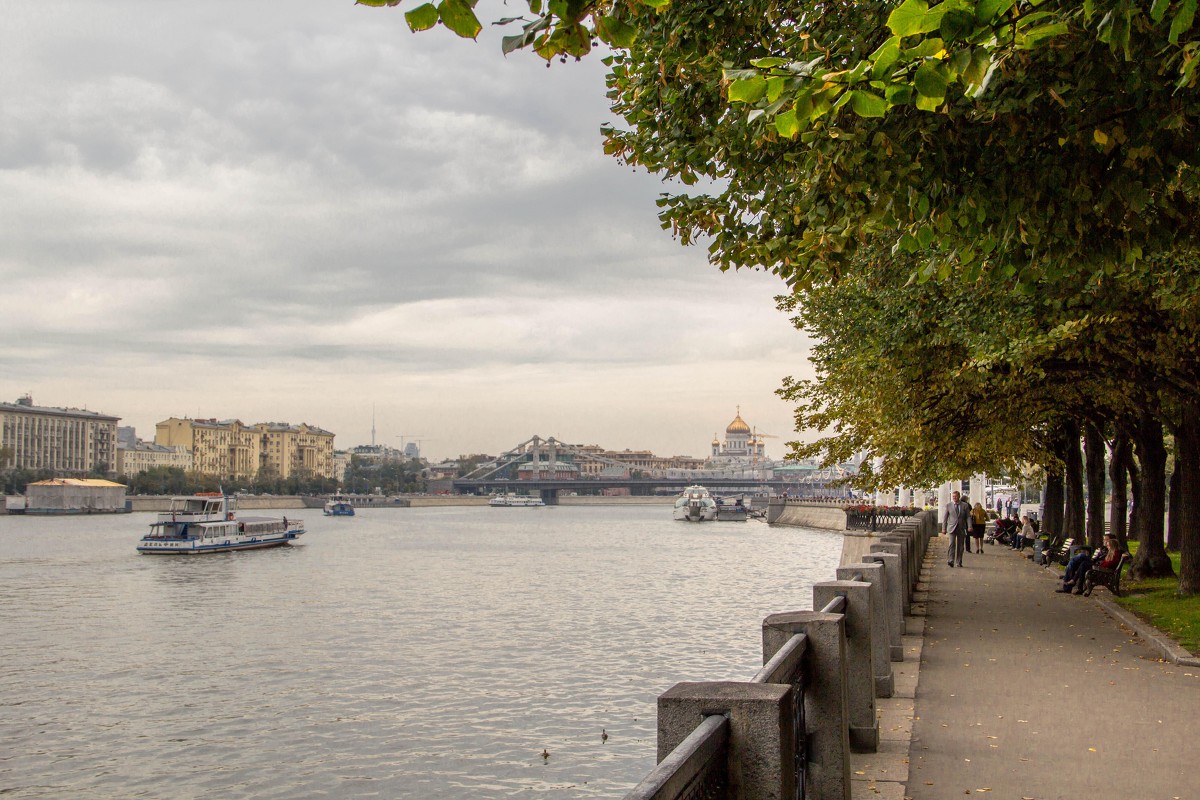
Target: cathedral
pixel 741 445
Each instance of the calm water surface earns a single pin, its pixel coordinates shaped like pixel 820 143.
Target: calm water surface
pixel 401 653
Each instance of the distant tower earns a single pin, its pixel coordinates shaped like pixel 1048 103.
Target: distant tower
pixel 372 424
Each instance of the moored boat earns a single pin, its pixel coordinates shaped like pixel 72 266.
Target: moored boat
pixel 208 523
pixel 511 500
pixel 732 509
pixel 695 504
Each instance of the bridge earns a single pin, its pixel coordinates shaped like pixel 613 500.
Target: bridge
pixel 549 467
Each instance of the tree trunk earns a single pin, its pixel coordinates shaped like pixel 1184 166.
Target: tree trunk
pixel 1118 471
pixel 1053 519
pixel 1072 526
pixel 1185 501
pixel 1094 450
pixel 1151 560
pixel 1173 499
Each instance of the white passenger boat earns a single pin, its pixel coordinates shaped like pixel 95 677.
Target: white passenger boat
pixel 695 505
pixel 208 523
pixel 511 500
pixel 338 506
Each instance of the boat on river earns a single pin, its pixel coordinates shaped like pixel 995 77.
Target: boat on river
pixel 511 500
pixel 695 504
pixel 732 509
pixel 208 523
pixel 338 506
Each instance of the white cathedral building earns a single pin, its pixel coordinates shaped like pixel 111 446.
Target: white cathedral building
pixel 741 446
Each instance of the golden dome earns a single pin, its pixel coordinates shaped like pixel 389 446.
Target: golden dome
pixel 738 425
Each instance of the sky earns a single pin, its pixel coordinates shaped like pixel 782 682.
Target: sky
pixel 299 211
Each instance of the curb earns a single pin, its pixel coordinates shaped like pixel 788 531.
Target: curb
pixel 1153 636
pixel 1156 639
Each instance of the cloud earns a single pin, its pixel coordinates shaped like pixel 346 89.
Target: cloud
pixel 281 209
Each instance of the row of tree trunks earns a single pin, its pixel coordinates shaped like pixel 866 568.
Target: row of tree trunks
pixel 1118 472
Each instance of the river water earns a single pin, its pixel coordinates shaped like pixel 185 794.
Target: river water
pixel 401 653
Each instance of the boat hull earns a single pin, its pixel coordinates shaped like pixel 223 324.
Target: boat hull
pixel 188 547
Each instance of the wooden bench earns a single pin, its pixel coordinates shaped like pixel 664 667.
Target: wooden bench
pixel 1109 578
pixel 1060 556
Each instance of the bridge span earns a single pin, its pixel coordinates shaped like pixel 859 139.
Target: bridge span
pixel 550 488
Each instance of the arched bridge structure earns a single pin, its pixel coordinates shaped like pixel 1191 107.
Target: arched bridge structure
pixel 549 467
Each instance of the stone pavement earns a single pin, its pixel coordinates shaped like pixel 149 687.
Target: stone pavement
pixel 1024 694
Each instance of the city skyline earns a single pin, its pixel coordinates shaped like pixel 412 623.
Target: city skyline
pixel 298 211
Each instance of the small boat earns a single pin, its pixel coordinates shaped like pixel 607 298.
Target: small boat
pixel 511 500
pixel 695 504
pixel 338 506
pixel 208 523
pixel 732 509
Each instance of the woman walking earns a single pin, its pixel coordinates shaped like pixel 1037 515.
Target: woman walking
pixel 978 525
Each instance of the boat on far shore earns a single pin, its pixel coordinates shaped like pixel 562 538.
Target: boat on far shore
pixel 208 523
pixel 511 500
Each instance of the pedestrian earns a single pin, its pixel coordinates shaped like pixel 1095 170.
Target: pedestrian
pixel 978 525
pixel 955 525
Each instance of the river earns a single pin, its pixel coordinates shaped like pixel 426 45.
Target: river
pixel 401 653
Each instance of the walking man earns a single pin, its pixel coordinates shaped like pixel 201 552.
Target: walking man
pixel 957 525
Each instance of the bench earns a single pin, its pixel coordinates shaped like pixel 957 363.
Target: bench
pixel 1059 556
pixel 1109 578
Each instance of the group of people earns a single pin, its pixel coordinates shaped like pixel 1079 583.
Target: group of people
pixel 963 522
pixel 1084 562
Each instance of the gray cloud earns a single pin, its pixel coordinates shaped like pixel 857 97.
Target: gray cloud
pixel 279 191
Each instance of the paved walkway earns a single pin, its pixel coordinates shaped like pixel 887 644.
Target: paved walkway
pixel 1024 694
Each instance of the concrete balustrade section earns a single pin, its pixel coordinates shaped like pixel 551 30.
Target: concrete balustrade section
pixel 797 721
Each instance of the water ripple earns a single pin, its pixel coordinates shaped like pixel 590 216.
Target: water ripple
pixel 423 653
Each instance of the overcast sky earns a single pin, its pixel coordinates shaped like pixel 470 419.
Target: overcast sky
pixel 299 211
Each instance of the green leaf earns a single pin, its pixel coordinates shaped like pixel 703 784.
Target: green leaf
pixel 788 124
pixel 775 86
pixel 749 90
pixel 616 32
pixel 377 3
pixel 1035 36
pixel 975 72
pixel 957 24
pixel 458 17
pixel 768 63
pixel 960 61
pixel 988 11
pixel 884 57
pixel 656 4
pixel 421 18
pixel 929 103
pixel 926 49
pixel 1182 21
pixel 868 104
pixel 931 80
pixel 906 19
pixel 1159 9
pixel 898 94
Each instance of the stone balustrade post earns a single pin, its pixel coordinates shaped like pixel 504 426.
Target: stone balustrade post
pixel 860 668
pixel 897 549
pixel 762 735
pixel 881 657
pixel 894 600
pixel 826 704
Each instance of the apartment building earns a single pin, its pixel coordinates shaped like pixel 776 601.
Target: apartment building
pixel 230 448
pixel 141 456
pixel 67 441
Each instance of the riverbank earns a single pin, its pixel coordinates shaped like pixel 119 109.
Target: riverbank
pixel 261 502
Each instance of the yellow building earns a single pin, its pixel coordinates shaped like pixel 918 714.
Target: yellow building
pixel 68 441
pixel 231 448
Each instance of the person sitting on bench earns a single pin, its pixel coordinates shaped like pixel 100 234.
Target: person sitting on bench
pixel 1077 567
pixel 1107 560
